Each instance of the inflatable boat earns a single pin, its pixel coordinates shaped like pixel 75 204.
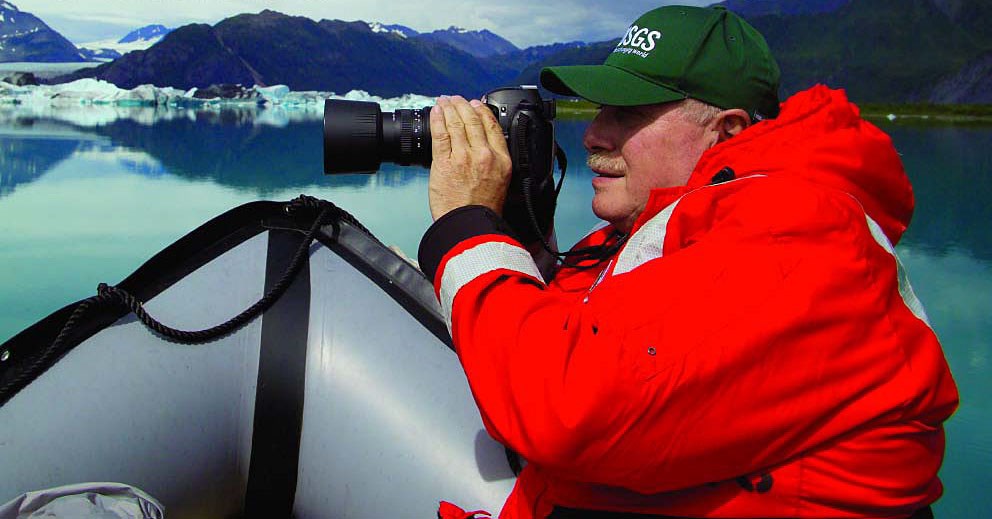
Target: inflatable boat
pixel 342 398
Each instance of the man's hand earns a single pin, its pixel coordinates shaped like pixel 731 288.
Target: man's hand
pixel 471 164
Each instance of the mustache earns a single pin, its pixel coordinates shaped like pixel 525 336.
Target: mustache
pixel 606 162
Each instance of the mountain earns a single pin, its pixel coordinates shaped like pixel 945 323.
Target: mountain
pixel 586 54
pixel 877 50
pixel 753 8
pixel 971 84
pixel 885 51
pixel 182 58
pixel 399 30
pixel 149 33
pixel 481 44
pixel 520 59
pixel 138 39
pixel 23 37
pixel 98 54
pixel 272 48
pixel 972 16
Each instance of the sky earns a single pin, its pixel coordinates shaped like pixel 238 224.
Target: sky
pixel 523 22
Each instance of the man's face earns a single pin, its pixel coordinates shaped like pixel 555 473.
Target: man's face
pixel 634 149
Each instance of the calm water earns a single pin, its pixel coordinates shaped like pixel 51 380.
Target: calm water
pixel 83 203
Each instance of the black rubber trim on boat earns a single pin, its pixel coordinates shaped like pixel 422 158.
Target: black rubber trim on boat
pixel 279 395
pixel 401 281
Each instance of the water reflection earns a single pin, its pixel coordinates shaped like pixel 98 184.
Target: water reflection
pixel 264 151
pixel 951 171
pixel 956 289
pixel 227 151
pixel 29 147
pixel 258 151
pixel 24 160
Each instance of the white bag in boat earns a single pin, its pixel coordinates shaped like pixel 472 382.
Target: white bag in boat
pixel 91 500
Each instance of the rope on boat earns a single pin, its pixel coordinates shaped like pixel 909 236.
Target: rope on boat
pixel 111 295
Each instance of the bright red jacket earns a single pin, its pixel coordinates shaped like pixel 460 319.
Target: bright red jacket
pixel 754 349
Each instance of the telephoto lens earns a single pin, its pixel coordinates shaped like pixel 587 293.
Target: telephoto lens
pixel 359 136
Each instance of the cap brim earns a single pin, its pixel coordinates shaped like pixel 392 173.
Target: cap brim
pixel 607 85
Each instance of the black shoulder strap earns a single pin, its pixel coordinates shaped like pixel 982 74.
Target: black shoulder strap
pixel 275 444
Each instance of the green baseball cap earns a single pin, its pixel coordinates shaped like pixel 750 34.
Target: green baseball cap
pixel 676 52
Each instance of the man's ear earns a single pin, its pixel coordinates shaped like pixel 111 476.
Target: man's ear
pixel 729 123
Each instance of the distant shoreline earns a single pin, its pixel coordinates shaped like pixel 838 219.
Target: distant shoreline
pixel 925 113
pixel 45 70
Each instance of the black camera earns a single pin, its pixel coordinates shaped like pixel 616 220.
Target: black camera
pixel 359 137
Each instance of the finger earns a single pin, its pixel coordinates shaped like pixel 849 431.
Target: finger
pixel 454 124
pixel 474 130
pixel 440 140
pixel 494 132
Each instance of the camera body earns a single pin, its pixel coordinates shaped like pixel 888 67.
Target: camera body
pixel 358 137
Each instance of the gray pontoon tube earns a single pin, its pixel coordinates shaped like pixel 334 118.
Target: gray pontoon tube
pixel 344 399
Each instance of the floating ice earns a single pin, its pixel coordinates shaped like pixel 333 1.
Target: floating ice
pixel 273 93
pixel 93 102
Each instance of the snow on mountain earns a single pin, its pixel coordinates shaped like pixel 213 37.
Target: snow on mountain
pixel 111 46
pixel 399 30
pixel 25 38
pixel 138 39
pixel 99 54
pixel 151 33
pixel 477 43
pixel 6 6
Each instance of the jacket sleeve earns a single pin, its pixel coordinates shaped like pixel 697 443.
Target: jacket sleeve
pixel 731 355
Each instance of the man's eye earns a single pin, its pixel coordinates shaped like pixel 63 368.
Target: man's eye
pixel 628 115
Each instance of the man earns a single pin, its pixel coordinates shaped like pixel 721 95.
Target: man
pixel 748 346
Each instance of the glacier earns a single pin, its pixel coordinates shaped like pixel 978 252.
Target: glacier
pixel 92 102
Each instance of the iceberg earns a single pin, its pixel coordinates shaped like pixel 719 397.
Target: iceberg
pixel 92 102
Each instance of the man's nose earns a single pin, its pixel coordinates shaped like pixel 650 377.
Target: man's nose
pixel 596 138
